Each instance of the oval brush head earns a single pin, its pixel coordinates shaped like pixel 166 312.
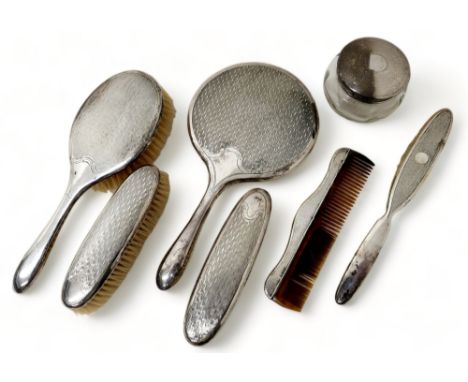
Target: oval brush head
pixel 115 240
pixel 151 152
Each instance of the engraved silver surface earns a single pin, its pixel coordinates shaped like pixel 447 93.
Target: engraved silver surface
pixel 249 121
pixel 116 122
pixel 409 176
pixel 114 125
pixel 108 237
pixel 263 113
pixel 227 267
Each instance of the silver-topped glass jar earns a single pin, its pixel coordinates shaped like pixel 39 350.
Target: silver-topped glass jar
pixel 367 80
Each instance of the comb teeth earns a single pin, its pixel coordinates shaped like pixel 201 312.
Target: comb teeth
pixel 318 240
pixel 344 192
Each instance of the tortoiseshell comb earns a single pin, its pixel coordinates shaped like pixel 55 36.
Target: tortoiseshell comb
pixel 315 228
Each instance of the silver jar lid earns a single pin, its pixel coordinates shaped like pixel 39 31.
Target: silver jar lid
pixel 367 80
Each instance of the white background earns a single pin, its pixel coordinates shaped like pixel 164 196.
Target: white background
pixel 409 320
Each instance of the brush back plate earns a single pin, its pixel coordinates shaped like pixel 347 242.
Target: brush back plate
pixel 116 122
pixel 227 266
pixel 108 238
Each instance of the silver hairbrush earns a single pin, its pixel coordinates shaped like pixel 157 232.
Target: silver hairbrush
pixel 123 124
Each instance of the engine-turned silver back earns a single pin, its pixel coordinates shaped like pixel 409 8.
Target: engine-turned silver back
pixel 261 112
pixel 109 236
pixel 117 122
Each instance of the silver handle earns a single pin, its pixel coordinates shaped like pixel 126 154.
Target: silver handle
pixel 36 256
pixel 176 259
pixel 81 178
pixel 414 167
pixel 363 260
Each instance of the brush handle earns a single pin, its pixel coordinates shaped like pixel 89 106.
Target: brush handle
pixel 363 260
pixel 81 178
pixel 173 265
pixel 35 258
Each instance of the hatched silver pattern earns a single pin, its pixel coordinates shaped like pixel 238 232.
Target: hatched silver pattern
pixel 109 235
pixel 116 122
pixel 263 112
pixel 227 266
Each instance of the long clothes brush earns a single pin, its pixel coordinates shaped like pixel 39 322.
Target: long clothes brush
pixel 115 240
pixel 227 267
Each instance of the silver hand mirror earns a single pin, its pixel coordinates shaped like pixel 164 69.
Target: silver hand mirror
pixel 248 122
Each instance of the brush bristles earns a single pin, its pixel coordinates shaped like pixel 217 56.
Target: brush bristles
pixel 132 249
pixel 151 153
pixel 321 235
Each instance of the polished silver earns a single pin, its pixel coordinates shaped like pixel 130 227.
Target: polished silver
pixel 227 267
pixel 113 126
pixel 109 236
pixel 304 217
pixel 250 121
pixel 413 169
pixel 367 80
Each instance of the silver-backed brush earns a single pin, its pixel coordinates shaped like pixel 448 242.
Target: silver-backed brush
pixel 227 267
pixel 115 240
pixel 121 126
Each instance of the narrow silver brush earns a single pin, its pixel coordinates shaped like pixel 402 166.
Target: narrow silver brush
pixel 115 240
pixel 227 267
